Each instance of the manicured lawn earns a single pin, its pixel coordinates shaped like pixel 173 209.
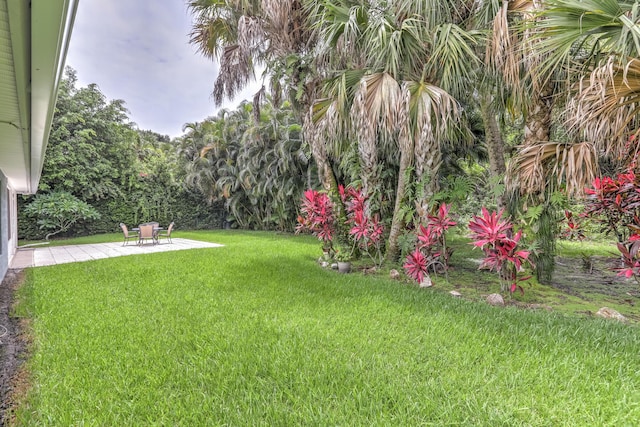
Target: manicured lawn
pixel 256 333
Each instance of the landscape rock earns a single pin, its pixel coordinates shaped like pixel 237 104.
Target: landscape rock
pixel 334 266
pixel 609 313
pixel 426 282
pixel 394 274
pixel 324 264
pixel 372 270
pixel 455 293
pixel 495 299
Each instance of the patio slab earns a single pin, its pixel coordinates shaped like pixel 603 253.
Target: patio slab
pixel 42 256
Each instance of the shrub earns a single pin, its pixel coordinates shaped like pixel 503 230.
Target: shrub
pixel 318 217
pixel 615 204
pixel 56 212
pixel 494 235
pixel 431 248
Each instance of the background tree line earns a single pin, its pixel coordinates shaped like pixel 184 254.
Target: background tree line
pixel 95 154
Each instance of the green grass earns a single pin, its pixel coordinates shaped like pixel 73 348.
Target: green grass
pixel 256 333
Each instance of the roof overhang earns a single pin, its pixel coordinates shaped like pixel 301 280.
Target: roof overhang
pixel 34 38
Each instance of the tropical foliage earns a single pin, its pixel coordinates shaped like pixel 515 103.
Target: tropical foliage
pixel 257 169
pixel 57 212
pixel 431 252
pixel 495 236
pixel 96 154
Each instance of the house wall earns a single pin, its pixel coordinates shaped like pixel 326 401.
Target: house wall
pixel 4 226
pixel 8 225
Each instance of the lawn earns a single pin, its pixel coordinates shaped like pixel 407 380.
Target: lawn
pixel 256 333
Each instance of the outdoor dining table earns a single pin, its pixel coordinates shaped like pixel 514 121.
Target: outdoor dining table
pixel 155 231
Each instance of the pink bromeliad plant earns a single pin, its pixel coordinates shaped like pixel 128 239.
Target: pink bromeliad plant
pixel 494 235
pixel 615 203
pixel 366 231
pixel 317 217
pixel 431 249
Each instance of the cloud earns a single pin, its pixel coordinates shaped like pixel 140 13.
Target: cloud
pixel 139 51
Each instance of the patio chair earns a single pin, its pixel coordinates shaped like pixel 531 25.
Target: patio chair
pixel 146 232
pixel 166 234
pixel 127 235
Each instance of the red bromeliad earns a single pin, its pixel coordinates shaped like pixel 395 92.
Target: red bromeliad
pixel 574 227
pixel 317 216
pixel 365 230
pixel 615 202
pixel 431 245
pixel 416 266
pixel 493 235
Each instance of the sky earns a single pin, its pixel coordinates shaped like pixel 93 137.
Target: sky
pixel 139 51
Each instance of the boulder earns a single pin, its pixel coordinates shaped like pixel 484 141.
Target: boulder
pixel 371 270
pixel 495 299
pixel 426 282
pixel 610 313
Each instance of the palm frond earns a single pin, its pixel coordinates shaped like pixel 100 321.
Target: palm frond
pixel 535 167
pixel 607 105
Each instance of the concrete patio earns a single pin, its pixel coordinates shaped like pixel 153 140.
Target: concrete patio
pixel 44 255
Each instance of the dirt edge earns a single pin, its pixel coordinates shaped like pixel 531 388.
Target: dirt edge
pixel 14 346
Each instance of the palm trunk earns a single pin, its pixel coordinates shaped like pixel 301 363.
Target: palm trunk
pixel 538 130
pixel 494 141
pixel 428 158
pixel 397 224
pixel 368 153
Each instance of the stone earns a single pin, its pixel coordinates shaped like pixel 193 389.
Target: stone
pixel 426 282
pixel 334 266
pixel 455 294
pixel 324 264
pixel 495 299
pixel 394 274
pixel 372 270
pixel 610 313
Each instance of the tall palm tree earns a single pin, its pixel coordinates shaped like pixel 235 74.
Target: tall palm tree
pixel 275 34
pixel 597 44
pixel 513 50
pixel 398 64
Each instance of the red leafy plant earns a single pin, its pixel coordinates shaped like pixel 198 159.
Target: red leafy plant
pixel 317 217
pixel 365 230
pixel 629 258
pixel 494 235
pixel 431 250
pixel 615 203
pixel 573 230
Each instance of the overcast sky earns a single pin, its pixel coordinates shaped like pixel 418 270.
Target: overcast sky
pixel 139 51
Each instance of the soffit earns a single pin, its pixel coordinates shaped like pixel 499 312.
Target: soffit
pixel 13 140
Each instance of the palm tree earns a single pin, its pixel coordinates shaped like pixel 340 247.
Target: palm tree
pixel 398 62
pixel 275 34
pixel 513 51
pixel 597 43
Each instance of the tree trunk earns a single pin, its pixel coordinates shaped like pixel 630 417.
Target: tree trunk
pixel 494 141
pixel 538 130
pixel 428 157
pixel 397 224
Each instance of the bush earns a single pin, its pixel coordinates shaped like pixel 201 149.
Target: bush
pixel 56 212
